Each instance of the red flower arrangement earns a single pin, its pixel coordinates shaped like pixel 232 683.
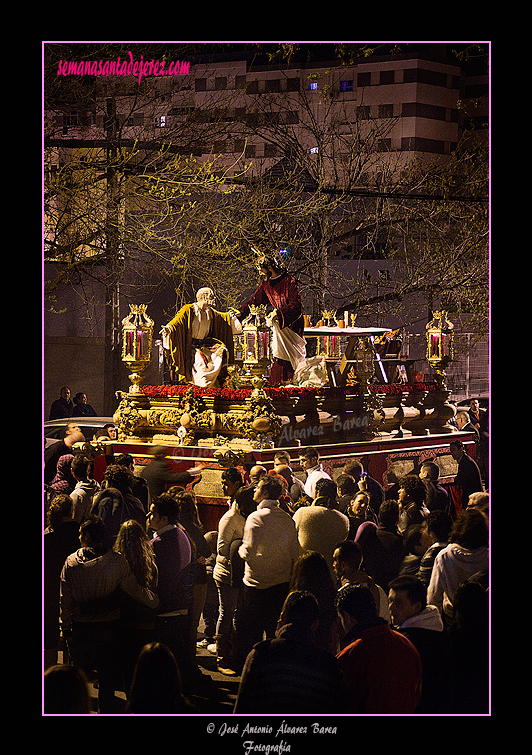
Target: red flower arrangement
pixel 279 392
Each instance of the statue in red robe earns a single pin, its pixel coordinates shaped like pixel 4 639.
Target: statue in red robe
pixel 280 291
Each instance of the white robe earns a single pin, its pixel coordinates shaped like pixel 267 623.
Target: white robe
pixel 207 361
pixel 287 345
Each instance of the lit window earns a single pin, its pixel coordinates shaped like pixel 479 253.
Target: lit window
pixel 346 86
pixel 160 121
pixel 313 85
pixel 313 150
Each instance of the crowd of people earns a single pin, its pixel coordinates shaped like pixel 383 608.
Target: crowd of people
pixel 316 595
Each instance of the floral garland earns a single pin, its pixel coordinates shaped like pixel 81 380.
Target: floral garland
pixel 164 391
pixel 280 392
pixel 394 388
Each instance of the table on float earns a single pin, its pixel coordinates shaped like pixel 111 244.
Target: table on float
pixel 338 345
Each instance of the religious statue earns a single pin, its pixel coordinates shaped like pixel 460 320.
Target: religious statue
pixel 198 341
pixel 280 291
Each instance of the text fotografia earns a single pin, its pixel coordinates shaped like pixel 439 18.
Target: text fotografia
pixel 127 67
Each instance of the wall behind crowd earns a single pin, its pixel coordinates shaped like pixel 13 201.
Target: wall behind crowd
pixel 76 363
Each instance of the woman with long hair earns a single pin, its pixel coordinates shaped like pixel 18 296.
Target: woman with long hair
pixel 311 574
pixel 66 691
pixel 134 544
pixel 156 686
pixel 137 621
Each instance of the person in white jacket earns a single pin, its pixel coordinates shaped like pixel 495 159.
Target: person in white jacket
pixel 320 526
pixel 309 462
pixel 466 555
pixel 408 606
pixel 270 549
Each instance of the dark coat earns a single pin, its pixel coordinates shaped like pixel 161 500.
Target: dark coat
pixel 383 552
pixel 158 474
pixel 290 674
pixel 437 688
pixel 61 408
pixel 468 478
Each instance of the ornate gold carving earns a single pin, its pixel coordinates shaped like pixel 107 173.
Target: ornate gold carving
pixel 190 419
pixel 227 457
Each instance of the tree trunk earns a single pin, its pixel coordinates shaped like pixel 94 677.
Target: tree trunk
pixel 113 270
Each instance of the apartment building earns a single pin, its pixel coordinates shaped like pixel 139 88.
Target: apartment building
pixel 230 108
pixel 411 104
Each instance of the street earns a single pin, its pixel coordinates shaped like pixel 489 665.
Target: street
pixel 215 696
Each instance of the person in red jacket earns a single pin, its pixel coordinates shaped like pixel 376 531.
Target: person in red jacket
pixel 381 666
